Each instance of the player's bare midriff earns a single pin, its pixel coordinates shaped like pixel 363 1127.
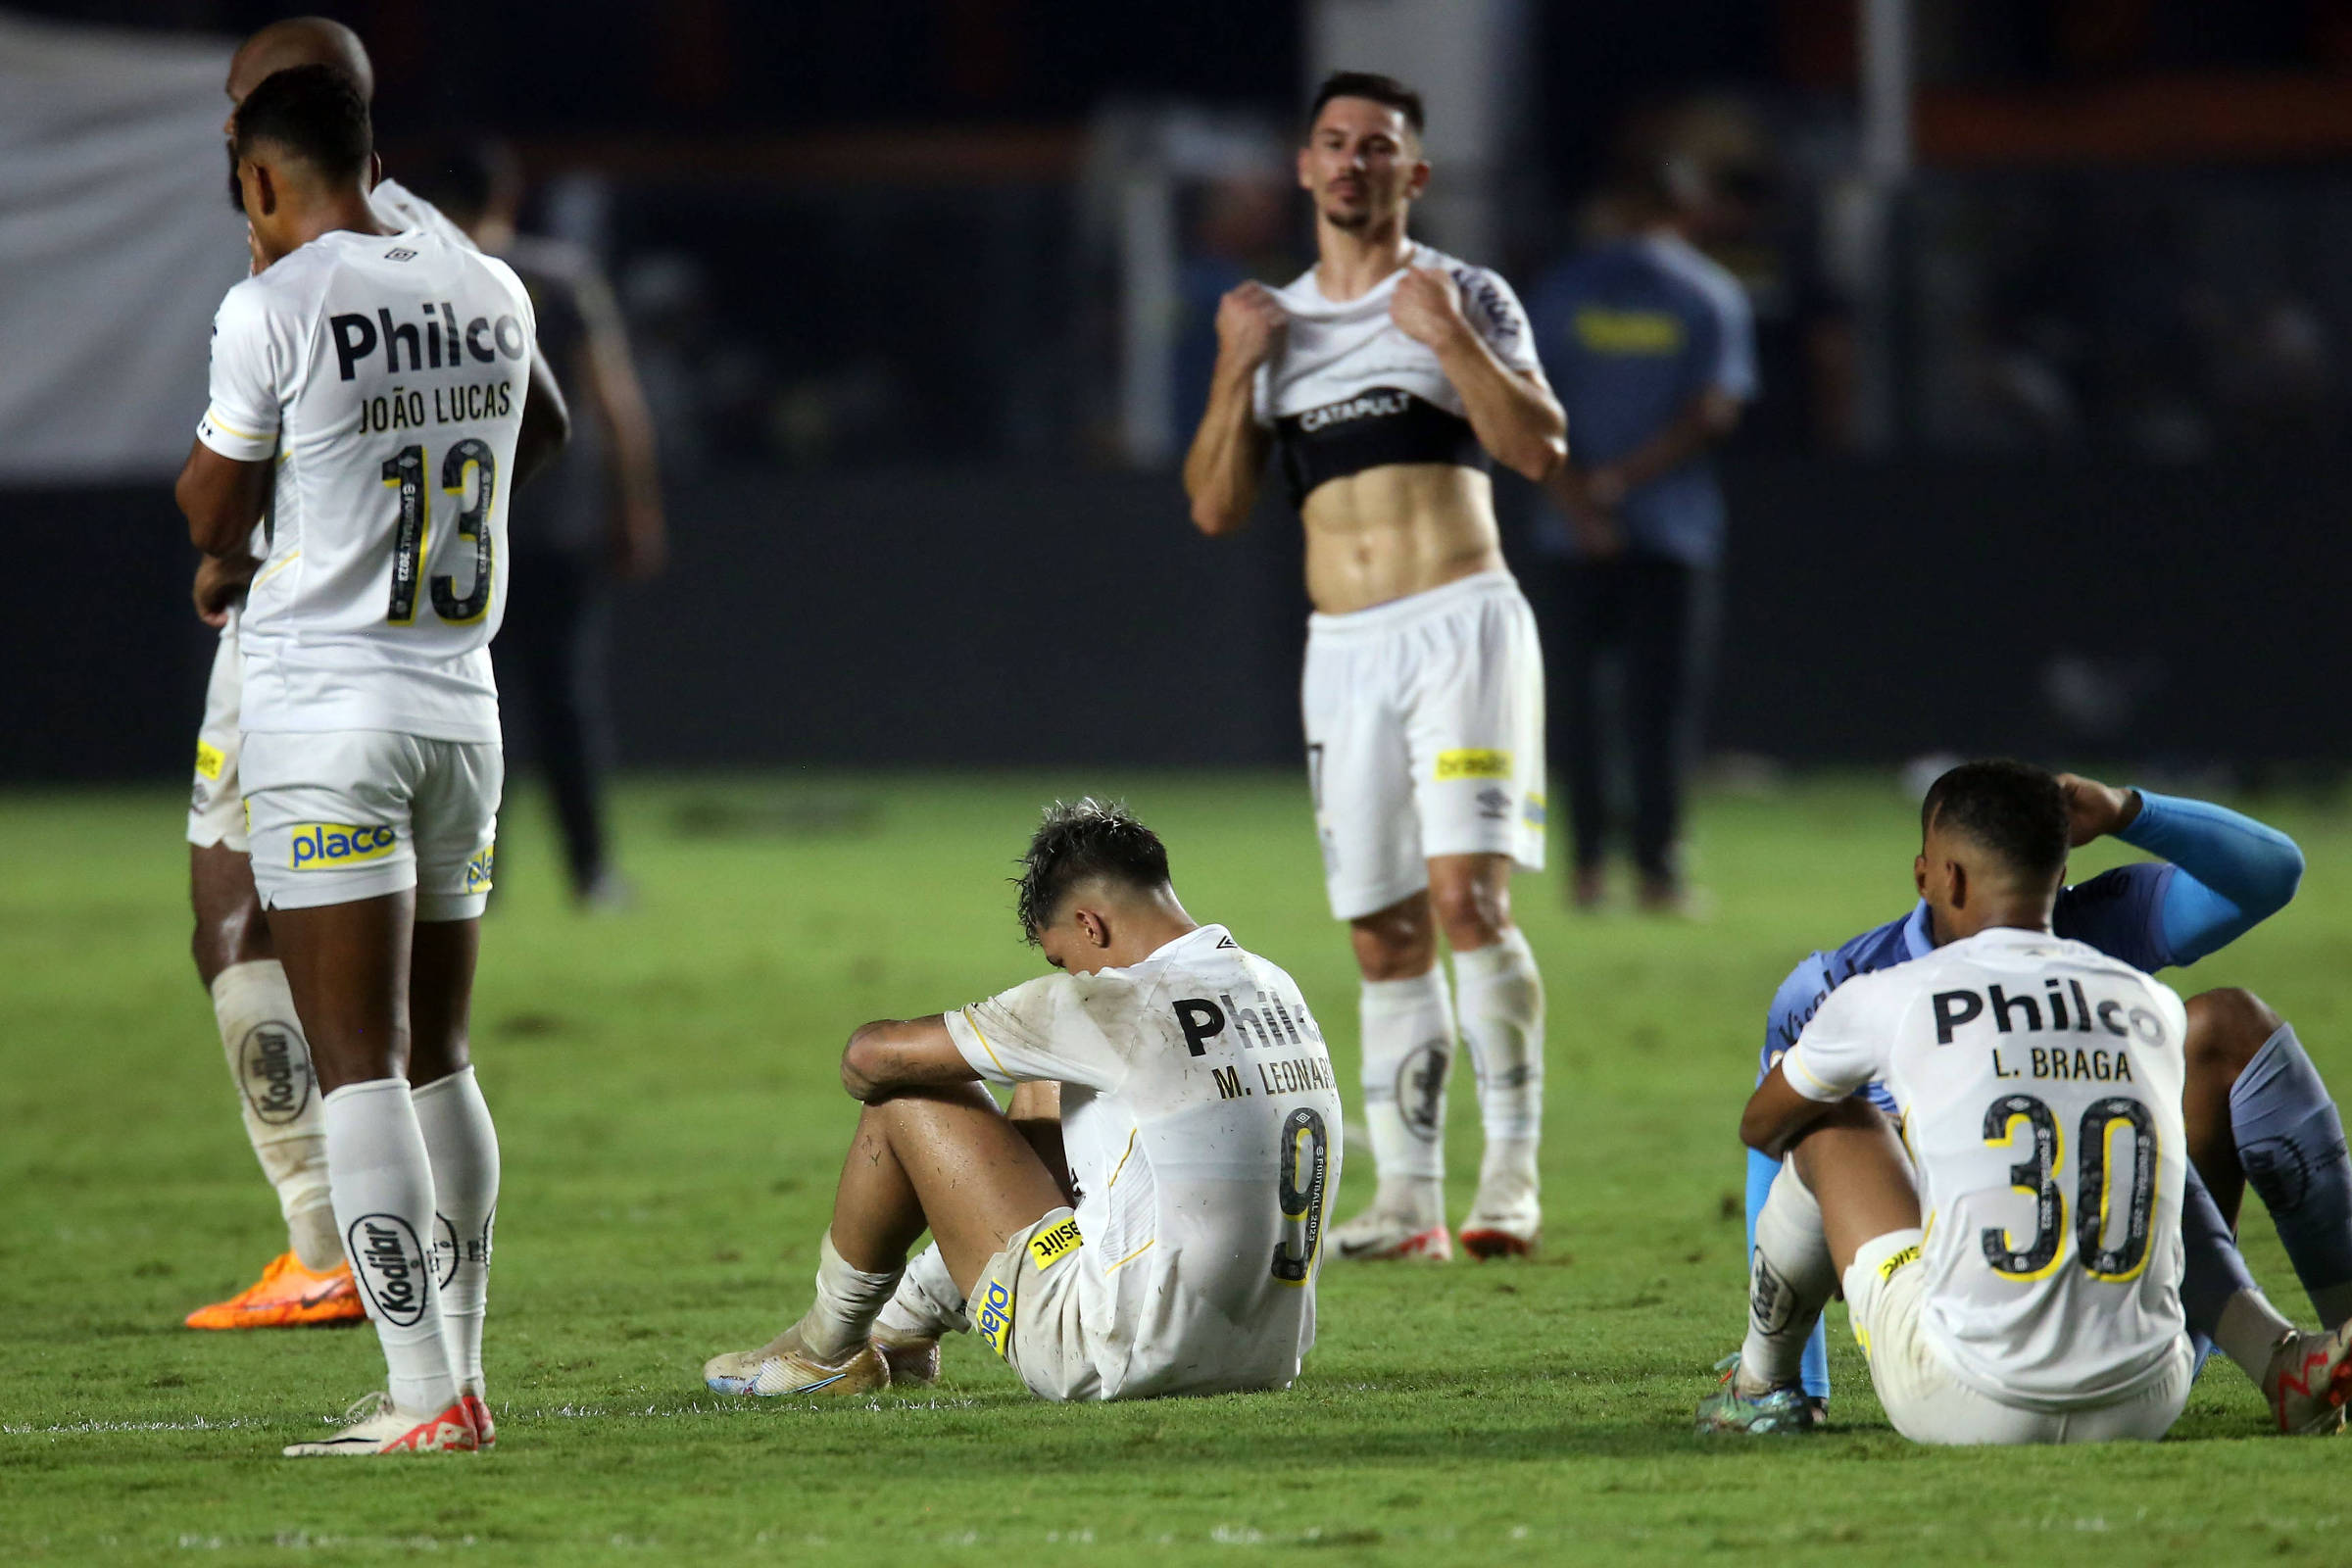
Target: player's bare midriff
pixel 1399 530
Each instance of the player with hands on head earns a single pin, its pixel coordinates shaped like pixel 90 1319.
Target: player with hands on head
pixel 2253 1104
pixel 374 389
pixel 237 961
pixel 1388 378
pixel 1167 1242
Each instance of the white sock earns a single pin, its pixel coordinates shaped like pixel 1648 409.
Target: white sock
pixel 1790 1280
pixel 383 1187
pixel 1499 998
pixel 2249 1330
pixel 848 1301
pixel 926 1305
pixel 270 1063
pixel 462 1146
pixel 1409 1050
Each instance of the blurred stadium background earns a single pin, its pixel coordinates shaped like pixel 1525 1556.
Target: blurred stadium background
pixel 2056 350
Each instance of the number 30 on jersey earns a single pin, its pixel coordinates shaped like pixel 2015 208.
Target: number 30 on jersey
pixel 411 532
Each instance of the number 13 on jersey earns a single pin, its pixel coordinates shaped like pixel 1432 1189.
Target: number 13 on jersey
pixel 411 532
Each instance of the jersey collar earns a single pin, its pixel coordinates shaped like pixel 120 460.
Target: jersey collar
pixel 1919 932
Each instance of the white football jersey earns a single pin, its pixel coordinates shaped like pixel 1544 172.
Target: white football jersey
pixel 1335 351
pixel 1201 1121
pixel 386 373
pixel 2039 1083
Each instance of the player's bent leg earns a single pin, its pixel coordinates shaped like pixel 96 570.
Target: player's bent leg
pixel 1407 1018
pixel 944 1159
pixel 2258 1111
pixel 1498 997
pixel 269 1061
pixel 1790 1279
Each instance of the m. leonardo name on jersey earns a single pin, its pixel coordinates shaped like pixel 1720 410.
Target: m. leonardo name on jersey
pixel 433 344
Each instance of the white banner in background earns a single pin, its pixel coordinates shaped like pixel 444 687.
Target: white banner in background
pixel 116 242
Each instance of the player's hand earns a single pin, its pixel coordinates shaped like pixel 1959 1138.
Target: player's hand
pixel 1428 307
pixel 220 583
pixel 1249 322
pixel 2095 809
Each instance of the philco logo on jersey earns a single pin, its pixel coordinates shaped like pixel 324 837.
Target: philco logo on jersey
pixel 326 846
pixel 1471 761
pixel 1954 1008
pixel 1049 1248
pixel 435 344
pixel 992 1315
pixel 477 869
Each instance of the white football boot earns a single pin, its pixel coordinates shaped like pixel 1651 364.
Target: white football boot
pixel 1406 1220
pixel 1506 1218
pixel 378 1428
pixel 2310 1378
pixel 782 1368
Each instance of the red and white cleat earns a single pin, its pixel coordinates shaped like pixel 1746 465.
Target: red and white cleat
pixel 478 1410
pixel 378 1428
pixel 2309 1381
pixel 1384 1235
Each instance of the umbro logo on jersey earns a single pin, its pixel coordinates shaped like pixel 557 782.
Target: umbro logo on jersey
pixel 400 253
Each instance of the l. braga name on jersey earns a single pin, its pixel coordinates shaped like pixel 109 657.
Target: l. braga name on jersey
pixel 433 343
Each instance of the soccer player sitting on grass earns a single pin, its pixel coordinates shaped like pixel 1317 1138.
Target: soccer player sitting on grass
pixel 2254 1107
pixel 1201 1122
pixel 2039 1084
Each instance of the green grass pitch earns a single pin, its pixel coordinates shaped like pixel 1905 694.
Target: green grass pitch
pixel 665 1083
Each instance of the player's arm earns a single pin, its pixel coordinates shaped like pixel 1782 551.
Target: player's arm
pixel 546 423
pixel 1777 1115
pixel 1516 417
pixel 892 1056
pixel 2230 872
pixel 1839 1050
pixel 1229 450
pixel 223 498
pixel 617 401
pixel 1703 421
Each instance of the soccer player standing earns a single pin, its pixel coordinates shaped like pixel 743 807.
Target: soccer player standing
pixel 1386 377
pixel 372 391
pixel 269 1060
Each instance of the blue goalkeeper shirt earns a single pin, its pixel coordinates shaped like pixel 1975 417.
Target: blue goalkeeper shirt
pixel 2222 873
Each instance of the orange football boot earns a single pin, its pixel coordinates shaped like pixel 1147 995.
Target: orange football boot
pixel 287 1296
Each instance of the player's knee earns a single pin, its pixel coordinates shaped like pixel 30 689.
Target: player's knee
pixel 1472 912
pixel 862 1061
pixel 2225 1028
pixel 1396 944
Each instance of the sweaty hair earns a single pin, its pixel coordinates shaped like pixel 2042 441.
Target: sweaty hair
pixel 1369 85
pixel 1080 840
pixel 314 113
pixel 2014 809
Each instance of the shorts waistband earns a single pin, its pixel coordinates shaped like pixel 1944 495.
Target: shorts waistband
pixel 1398 613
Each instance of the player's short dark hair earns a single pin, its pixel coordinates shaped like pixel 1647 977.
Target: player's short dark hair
pixel 1367 84
pixel 314 113
pixel 1078 842
pixel 2015 809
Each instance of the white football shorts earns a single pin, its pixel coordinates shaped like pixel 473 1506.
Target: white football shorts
pixel 1424 737
pixel 1885 1289
pixel 1026 1304
pixel 350 815
pixel 216 808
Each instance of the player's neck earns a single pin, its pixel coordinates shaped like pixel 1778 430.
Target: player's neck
pixel 1351 263
pixel 328 214
pixel 2016 913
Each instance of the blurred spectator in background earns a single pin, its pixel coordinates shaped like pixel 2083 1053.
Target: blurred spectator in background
pixel 1651 347
pixel 592 517
pixel 1239 226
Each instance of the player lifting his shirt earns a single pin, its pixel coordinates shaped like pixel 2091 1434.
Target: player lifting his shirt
pixel 1386 377
pixel 1161 1235
pixel 269 1060
pixel 372 393
pixel 2038 1086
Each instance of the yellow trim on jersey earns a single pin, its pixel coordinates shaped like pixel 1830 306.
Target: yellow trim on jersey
pixel 212 416
pixel 1132 1256
pixel 980 1036
pixel 2107 1187
pixel 1122 1165
pixel 273 571
pixel 2008 1140
pixel 210 758
pixel 1789 1060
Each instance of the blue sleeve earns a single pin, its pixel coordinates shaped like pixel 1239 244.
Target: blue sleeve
pixel 2233 871
pixel 2120 912
pixel 1792 1007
